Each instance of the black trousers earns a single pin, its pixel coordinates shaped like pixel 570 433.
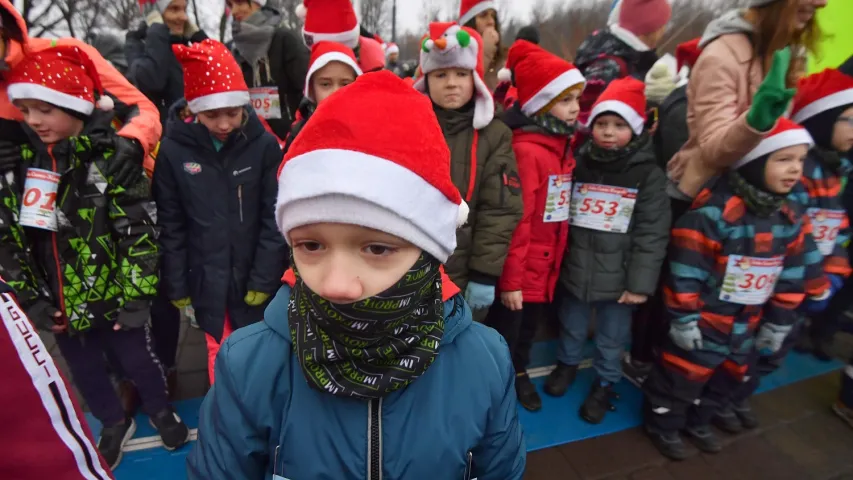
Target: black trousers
pixel 165 329
pixel 518 329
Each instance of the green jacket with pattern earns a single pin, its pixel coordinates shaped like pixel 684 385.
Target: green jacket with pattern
pixel 102 262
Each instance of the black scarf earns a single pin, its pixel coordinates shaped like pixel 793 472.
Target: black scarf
pixel 758 201
pixel 554 125
pixel 372 347
pixel 613 160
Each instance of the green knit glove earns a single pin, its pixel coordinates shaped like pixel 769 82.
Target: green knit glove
pixel 772 98
pixel 182 302
pixel 254 299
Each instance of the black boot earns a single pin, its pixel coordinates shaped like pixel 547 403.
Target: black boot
pixel 634 371
pixel 526 392
pixel 669 444
pixel 727 421
pixel 747 417
pixel 113 439
pixel 560 379
pixel 704 438
pixel 173 431
pixel 597 403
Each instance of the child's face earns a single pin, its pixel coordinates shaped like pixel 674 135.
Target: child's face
pixel 222 121
pixel 329 79
pixel 568 108
pixel 785 168
pixel 50 123
pixel 842 133
pixel 611 131
pixel 451 88
pixel 347 263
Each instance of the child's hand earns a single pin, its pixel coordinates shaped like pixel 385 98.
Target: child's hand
pixel 60 327
pixel 629 298
pixel 254 299
pixel 512 300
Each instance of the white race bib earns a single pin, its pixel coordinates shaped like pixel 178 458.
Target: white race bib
pixel 559 195
pixel 266 102
pixel 38 208
pixel 750 280
pixel 825 226
pixel 602 207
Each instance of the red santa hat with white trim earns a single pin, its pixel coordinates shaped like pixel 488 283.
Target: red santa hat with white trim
pixel 820 92
pixel 329 20
pixel 322 54
pixel 212 77
pixel 625 97
pixel 450 46
pixel 538 75
pixel 391 49
pixel 63 76
pixel 469 9
pixel 363 160
pixel 786 133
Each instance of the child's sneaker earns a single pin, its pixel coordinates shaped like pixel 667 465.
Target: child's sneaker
pixel 526 392
pixel 726 420
pixel 173 431
pixel 704 438
pixel 597 403
pixel 747 416
pixel 559 380
pixel 634 371
pixel 113 439
pixel 843 411
pixel 669 444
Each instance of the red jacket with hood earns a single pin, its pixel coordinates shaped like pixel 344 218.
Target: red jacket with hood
pixel 536 250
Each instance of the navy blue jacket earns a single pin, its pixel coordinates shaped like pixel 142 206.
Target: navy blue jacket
pixel 219 237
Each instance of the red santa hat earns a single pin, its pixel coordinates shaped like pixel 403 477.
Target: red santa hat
pixel 820 92
pixel 330 20
pixel 450 46
pixel 625 97
pixel 391 49
pixel 212 77
pixel 687 53
pixel 786 134
pixel 539 75
pixel 469 9
pixel 63 76
pixel 322 54
pixel 363 160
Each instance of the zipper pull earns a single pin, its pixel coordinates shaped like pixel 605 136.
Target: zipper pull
pixel 469 466
pixel 240 200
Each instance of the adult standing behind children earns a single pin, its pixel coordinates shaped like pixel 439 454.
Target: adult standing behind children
pixel 482 164
pixel 482 16
pixel 273 62
pixel 153 67
pixel 215 191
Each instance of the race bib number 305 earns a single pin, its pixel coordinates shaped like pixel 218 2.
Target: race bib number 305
pixel 38 208
pixel 602 207
pixel 557 202
pixel 826 224
pixel 266 102
pixel 750 280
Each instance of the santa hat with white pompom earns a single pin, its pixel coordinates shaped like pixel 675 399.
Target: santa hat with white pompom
pixel 363 160
pixel 329 20
pixel 63 76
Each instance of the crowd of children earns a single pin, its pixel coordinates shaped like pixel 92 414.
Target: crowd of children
pixel 393 202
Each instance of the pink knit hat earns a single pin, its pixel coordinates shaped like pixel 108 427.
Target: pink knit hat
pixel 642 17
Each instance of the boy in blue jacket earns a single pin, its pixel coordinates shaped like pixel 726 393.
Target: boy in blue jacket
pixel 215 190
pixel 368 330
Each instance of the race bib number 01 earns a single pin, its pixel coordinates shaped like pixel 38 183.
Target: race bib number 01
pixel 602 207
pixel 826 224
pixel 38 208
pixel 266 102
pixel 559 195
pixel 750 280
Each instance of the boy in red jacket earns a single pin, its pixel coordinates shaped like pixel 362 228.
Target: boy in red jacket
pixel 542 121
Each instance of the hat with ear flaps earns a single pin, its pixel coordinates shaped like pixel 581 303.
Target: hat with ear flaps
pixel 450 46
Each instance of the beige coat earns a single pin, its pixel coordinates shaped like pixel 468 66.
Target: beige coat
pixel 720 92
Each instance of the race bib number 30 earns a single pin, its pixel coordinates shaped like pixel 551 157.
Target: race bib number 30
pixel 602 207
pixel 266 102
pixel 38 208
pixel 826 224
pixel 557 202
pixel 750 280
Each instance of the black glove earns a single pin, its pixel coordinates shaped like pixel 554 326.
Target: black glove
pixel 42 314
pixel 10 155
pixel 125 166
pixel 134 315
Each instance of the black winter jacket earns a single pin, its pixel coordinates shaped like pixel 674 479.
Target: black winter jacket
pixel 216 210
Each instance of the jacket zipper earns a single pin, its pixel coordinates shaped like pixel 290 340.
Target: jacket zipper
pixel 53 242
pixel 240 200
pixel 469 466
pixel 374 439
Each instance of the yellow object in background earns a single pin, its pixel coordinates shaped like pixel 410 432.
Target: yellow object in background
pixel 836 20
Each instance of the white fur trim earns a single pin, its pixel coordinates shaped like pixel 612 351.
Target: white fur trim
pixel 213 101
pixel 837 99
pixel 301 11
pixel 19 91
pixel 620 108
pixel 348 38
pixel 106 103
pixel 484 104
pixel 462 216
pixel 549 92
pixel 476 10
pixel 351 187
pixel 392 50
pixel 505 75
pixel 629 38
pixel 324 60
pixel 788 138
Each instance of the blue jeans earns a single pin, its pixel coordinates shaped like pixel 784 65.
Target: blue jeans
pixel 612 334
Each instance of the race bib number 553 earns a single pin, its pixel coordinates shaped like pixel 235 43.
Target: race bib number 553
pixel 750 280
pixel 602 207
